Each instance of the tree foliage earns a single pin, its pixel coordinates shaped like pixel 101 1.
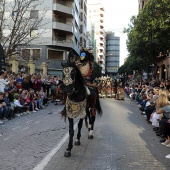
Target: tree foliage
pixel 148 35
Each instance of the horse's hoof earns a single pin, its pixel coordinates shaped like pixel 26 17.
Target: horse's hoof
pixel 90 136
pixel 77 143
pixel 67 153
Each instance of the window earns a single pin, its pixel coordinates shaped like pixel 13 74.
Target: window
pixel 33 32
pixel 14 13
pixel 33 14
pixel 36 53
pixel 1 15
pixel 26 53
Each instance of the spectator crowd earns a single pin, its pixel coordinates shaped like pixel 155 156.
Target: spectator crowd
pixel 22 94
pixel 153 99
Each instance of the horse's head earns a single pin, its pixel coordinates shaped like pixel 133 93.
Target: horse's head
pixel 71 77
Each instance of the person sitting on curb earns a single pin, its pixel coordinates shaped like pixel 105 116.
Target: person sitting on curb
pixel 20 109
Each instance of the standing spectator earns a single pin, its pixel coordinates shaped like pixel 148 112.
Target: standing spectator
pixel 27 84
pixel 43 97
pixel 19 78
pixel 37 83
pixel 53 89
pixel 3 81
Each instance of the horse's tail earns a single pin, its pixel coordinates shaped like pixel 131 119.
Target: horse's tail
pixel 63 114
pixel 98 106
pixel 86 122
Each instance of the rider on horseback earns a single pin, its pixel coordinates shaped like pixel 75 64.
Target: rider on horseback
pixel 85 64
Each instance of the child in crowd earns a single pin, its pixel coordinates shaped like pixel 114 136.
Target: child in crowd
pixel 32 100
pixel 18 108
pixel 10 113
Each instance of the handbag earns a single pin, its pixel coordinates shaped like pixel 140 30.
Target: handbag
pixel 28 101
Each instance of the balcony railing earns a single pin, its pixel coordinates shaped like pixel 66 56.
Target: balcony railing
pixel 62 3
pixel 63 7
pixel 63 42
pixel 63 26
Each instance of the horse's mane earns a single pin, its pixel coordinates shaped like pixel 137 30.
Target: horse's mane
pixel 79 80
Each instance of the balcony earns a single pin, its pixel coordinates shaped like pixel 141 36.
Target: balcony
pixel 101 13
pixel 101 53
pixel 101 42
pixel 101 60
pixel 63 42
pixel 101 31
pixel 63 26
pixel 101 25
pixel 63 7
pixel 101 47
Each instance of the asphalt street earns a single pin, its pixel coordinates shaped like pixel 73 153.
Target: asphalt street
pixel 27 139
pixel 122 141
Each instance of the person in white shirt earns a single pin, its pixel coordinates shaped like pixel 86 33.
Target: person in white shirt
pixel 18 108
pixel 3 81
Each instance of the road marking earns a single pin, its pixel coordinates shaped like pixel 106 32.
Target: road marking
pixel 16 127
pixel 5 139
pixel 38 121
pixel 25 128
pixel 47 159
pixel 29 121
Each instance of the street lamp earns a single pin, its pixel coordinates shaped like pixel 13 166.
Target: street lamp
pixel 2 58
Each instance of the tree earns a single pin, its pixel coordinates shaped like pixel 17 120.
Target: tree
pixel 97 70
pixel 149 34
pixel 20 24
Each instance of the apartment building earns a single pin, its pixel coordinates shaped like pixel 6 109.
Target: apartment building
pixel 64 29
pixel 95 29
pixel 83 23
pixel 112 54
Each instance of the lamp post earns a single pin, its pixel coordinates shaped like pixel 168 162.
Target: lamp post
pixel 2 58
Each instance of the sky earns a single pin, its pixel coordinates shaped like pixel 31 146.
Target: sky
pixel 117 17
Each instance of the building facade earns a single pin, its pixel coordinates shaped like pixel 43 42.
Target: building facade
pixel 112 54
pixel 63 29
pixel 95 29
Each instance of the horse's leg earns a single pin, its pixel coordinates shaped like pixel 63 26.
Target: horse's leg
pixel 71 134
pixel 80 124
pixel 89 117
pixel 92 116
